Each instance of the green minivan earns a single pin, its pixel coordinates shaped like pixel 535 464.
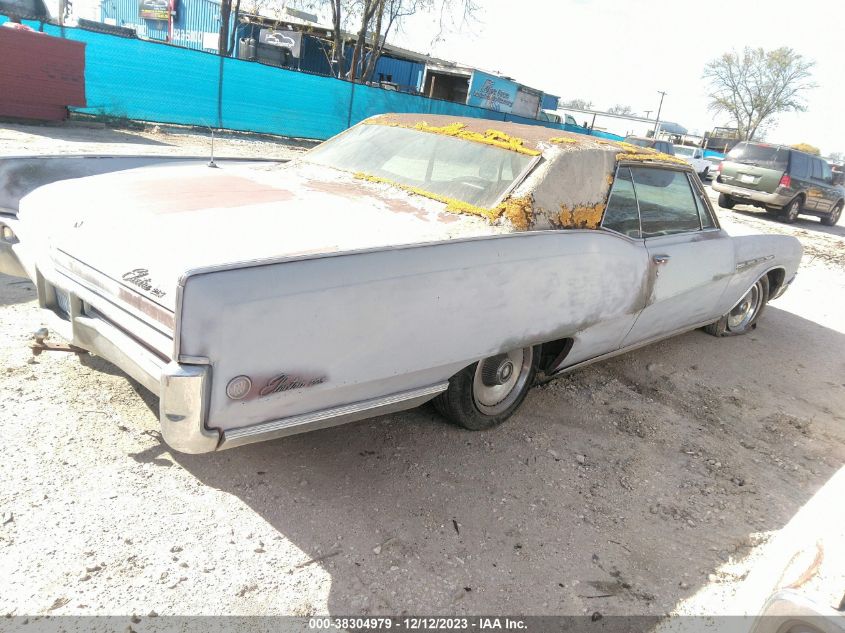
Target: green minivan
pixel 781 180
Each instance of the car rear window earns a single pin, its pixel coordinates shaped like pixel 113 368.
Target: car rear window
pixel 760 155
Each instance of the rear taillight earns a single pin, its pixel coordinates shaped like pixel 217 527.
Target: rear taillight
pixel 719 168
pixel 785 181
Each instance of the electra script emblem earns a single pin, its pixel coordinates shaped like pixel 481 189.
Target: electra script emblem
pixel 141 277
pixel 287 381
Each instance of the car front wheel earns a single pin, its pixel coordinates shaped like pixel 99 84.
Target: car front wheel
pixel 743 316
pixel 726 201
pixel 834 216
pixel 487 393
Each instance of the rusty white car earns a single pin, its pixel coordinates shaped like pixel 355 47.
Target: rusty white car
pixel 410 258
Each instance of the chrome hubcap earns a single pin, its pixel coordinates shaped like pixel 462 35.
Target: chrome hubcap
pixel 500 379
pixel 746 309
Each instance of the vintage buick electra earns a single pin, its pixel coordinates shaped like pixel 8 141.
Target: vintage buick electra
pixel 410 258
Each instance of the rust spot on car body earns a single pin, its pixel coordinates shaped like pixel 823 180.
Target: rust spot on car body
pixel 197 193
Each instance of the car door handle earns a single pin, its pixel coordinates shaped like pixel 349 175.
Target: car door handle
pixel 661 259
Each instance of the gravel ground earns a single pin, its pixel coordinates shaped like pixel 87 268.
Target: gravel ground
pixel 624 488
pixel 84 136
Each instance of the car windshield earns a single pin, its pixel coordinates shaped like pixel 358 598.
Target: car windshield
pixel 688 152
pixel 446 166
pixel 760 155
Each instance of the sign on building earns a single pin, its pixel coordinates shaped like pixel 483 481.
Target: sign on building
pixel 291 40
pixel 154 9
pixel 502 95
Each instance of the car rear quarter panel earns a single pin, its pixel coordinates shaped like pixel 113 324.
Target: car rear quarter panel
pixel 755 255
pixel 373 323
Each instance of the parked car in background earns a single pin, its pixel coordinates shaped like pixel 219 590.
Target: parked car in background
pixel 695 157
pixel 410 258
pixel 714 167
pixel 661 146
pixel 553 116
pixel 780 180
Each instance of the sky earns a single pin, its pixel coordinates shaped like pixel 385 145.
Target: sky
pixel 623 52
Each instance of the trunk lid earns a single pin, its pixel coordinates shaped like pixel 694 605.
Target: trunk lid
pixel 145 228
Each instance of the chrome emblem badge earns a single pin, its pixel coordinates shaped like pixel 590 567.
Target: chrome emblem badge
pixel 238 387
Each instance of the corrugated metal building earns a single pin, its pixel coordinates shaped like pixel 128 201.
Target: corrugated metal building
pixel 196 24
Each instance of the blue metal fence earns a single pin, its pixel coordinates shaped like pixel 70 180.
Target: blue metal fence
pixel 153 81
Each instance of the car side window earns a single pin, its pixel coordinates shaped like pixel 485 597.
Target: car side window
pixel 800 166
pixel 817 169
pixel 704 216
pixel 827 175
pixel 666 201
pixel 621 214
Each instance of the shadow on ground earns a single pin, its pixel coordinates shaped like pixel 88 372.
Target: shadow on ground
pixel 803 222
pixel 71 132
pixel 15 290
pixel 617 489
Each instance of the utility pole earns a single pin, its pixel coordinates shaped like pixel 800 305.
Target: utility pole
pixel 647 112
pixel 659 108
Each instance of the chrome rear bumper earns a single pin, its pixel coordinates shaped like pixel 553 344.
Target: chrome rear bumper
pixel 183 390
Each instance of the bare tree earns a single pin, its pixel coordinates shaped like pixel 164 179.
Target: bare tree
pixel 576 104
pixel 376 19
pixel 754 86
pixel 621 109
pixel 837 157
pixel 393 13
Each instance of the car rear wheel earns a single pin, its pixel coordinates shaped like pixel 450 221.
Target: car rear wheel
pixel 487 393
pixel 791 211
pixel 834 216
pixel 726 201
pixel 743 316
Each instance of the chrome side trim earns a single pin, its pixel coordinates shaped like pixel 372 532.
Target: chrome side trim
pixel 330 417
pixel 183 408
pixel 748 263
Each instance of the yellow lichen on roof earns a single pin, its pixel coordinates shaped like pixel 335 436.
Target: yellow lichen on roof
pixel 581 217
pixel 518 211
pixel 558 140
pixel 656 156
pixel 492 137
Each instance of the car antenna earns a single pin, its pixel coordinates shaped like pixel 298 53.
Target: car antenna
pixel 211 162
